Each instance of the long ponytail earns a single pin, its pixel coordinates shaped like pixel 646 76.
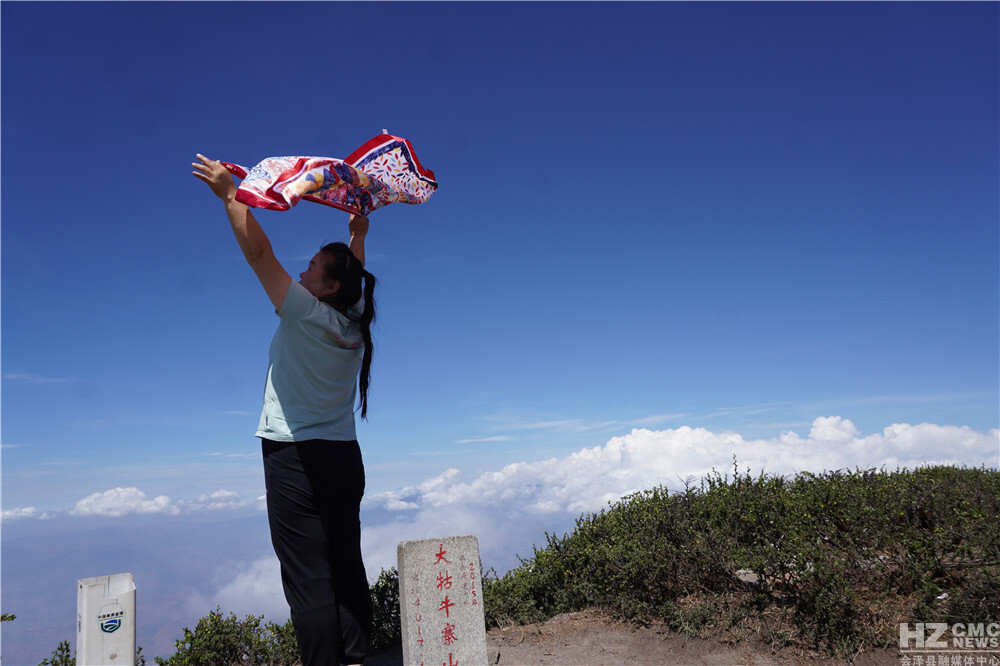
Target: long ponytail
pixel 355 282
pixel 366 319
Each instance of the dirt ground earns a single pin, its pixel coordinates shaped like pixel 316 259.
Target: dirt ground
pixel 589 639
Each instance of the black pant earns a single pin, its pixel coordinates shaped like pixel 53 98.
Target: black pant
pixel 314 491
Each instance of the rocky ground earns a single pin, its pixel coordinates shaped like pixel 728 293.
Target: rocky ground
pixel 590 639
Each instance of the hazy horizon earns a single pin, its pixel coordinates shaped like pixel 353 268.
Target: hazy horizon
pixel 189 557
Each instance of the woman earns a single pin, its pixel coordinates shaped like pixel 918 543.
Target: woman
pixel 318 367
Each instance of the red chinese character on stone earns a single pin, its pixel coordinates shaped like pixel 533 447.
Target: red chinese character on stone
pixel 444 581
pixel 446 606
pixel 450 662
pixel 448 635
pixel 440 556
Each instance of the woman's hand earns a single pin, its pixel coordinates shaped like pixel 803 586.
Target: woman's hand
pixel 216 176
pixel 358 226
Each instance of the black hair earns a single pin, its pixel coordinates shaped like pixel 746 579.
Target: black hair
pixel 345 268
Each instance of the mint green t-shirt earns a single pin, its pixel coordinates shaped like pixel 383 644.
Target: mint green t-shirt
pixel 312 372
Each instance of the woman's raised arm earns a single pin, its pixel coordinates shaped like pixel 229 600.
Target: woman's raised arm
pixel 251 238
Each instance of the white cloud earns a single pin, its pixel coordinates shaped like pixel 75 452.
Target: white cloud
pixel 220 499
pixel 254 588
pixel 119 502
pixel 748 410
pixel 501 422
pixel 25 512
pixel 393 504
pixel 659 418
pixel 832 429
pixel 509 507
pixel 566 425
pixel 122 501
pixel 38 379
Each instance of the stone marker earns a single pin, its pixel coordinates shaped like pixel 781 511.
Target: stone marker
pixel 105 620
pixel 441 602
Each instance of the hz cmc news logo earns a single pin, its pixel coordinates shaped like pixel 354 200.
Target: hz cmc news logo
pixel 941 644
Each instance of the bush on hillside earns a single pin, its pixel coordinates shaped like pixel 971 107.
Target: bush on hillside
pixel 228 640
pixel 831 562
pixel 386 627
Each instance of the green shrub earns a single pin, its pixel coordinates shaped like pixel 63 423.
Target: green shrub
pixel 61 656
pixel 228 641
pixel 386 628
pixel 838 559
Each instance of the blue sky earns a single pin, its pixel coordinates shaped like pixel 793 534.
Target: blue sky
pixel 772 220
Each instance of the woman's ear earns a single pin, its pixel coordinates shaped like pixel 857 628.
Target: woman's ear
pixel 331 287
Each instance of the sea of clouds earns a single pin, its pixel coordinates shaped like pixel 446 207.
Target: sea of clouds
pixel 494 504
pixel 511 508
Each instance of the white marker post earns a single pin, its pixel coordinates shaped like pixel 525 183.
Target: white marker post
pixel 105 620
